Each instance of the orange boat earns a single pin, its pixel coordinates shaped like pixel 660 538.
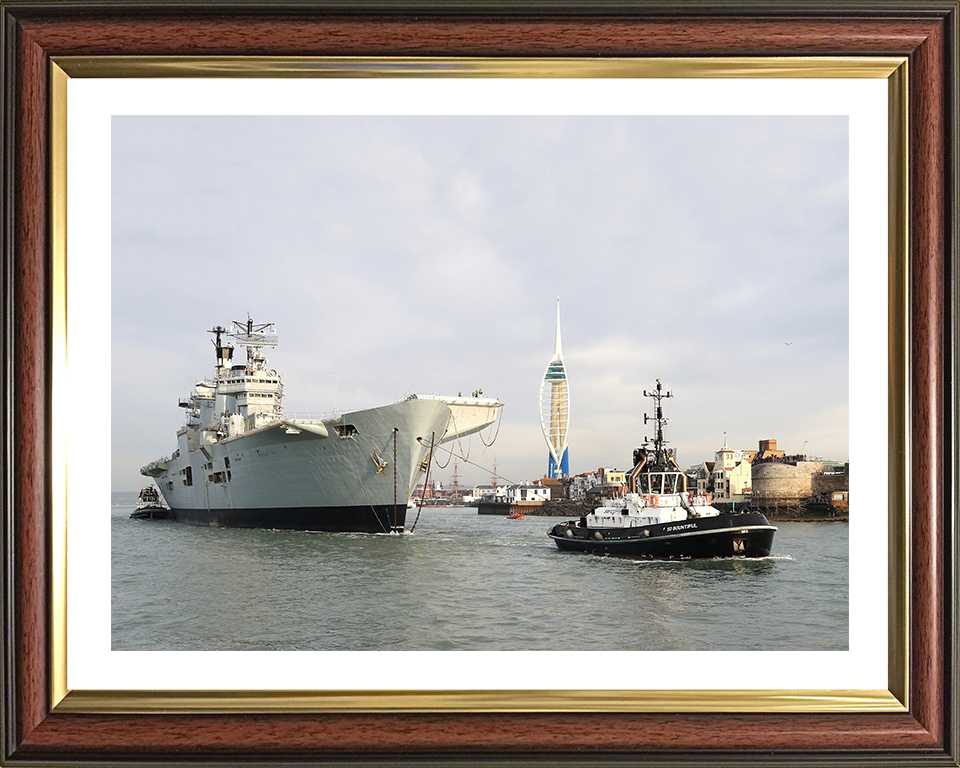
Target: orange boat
pixel 515 516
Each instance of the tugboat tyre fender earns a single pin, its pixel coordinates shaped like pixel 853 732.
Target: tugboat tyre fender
pixel 598 536
pixel 569 534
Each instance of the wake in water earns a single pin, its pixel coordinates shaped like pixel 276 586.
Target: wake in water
pixel 462 582
pixel 713 560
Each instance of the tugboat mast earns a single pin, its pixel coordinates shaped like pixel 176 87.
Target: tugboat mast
pixel 659 452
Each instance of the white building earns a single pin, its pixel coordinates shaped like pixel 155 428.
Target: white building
pixel 527 491
pixel 487 493
pixel 732 474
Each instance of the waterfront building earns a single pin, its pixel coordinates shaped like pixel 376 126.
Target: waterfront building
pixel 768 451
pixel 556 486
pixel 728 477
pixel 784 485
pixel 431 490
pixel 614 478
pixel 731 474
pixel 840 499
pixel 771 480
pixel 580 484
pixel 555 411
pixel 612 484
pixel 487 493
pixel 790 483
pixel 704 478
pixel 527 491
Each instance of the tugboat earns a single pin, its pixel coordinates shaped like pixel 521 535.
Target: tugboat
pixel 657 518
pixel 149 506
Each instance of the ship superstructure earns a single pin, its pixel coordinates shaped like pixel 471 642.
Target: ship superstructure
pixel 240 462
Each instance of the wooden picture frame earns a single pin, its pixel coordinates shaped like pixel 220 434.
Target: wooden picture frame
pixel 38 729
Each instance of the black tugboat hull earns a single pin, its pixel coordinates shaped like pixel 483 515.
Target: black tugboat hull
pixel 151 513
pixel 747 535
pixel 355 519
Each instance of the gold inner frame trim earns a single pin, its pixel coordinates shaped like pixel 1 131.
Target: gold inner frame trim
pixel 228 702
pixel 437 67
pixel 58 371
pixel 893 69
pixel 898 533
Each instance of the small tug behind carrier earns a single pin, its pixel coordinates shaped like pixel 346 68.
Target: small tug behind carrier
pixel 149 506
pixel 658 518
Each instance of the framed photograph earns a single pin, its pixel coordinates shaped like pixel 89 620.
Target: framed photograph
pixel 83 82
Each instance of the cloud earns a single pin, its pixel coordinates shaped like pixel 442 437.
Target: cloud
pixel 427 253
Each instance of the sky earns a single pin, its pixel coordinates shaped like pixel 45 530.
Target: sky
pixel 426 254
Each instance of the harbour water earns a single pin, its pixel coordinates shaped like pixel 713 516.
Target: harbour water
pixel 464 582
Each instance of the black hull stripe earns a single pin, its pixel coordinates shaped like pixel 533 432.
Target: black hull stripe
pixel 720 543
pixel 359 519
pixel 662 537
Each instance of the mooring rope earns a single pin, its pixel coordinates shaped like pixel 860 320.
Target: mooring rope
pixel 499 421
pixel 459 441
pixel 426 482
pixel 395 430
pixel 479 466
pixel 448 460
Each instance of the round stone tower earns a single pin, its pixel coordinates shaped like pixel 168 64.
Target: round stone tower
pixel 779 483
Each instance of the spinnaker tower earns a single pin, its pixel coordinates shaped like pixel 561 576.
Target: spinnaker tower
pixel 555 410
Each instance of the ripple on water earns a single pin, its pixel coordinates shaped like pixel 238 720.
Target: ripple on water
pixel 463 581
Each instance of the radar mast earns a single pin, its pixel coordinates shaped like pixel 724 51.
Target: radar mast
pixel 660 454
pixel 254 336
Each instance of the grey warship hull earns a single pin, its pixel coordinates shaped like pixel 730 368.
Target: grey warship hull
pixel 351 474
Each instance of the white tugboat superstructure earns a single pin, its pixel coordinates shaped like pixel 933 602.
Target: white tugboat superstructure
pixel 240 462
